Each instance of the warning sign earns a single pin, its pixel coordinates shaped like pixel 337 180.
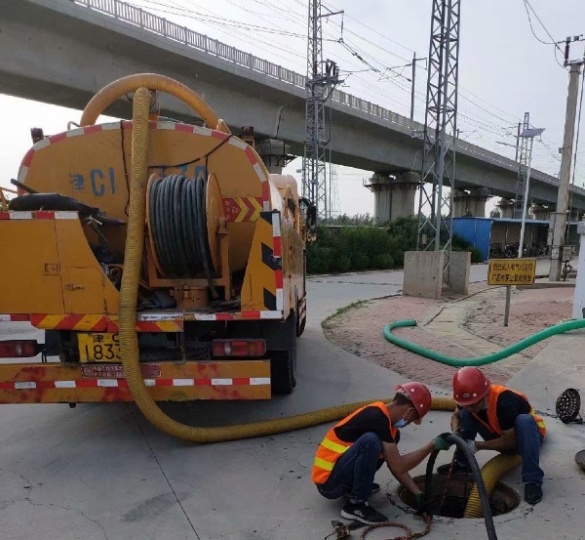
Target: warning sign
pixel 511 271
pixel 238 209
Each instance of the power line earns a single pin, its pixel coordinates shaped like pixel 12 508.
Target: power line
pixel 529 8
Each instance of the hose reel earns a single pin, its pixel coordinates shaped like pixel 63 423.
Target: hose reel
pixel 184 217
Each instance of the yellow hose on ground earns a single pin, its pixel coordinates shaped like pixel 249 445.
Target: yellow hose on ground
pixel 119 88
pixel 491 473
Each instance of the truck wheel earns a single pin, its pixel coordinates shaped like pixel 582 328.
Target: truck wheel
pixel 282 371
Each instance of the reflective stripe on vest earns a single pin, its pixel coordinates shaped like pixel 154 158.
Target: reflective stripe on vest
pixel 332 448
pixel 494 424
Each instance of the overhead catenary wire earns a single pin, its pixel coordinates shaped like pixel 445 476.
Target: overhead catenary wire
pixel 528 7
pixel 476 113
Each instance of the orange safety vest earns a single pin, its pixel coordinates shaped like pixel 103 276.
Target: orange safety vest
pixel 494 424
pixel 332 447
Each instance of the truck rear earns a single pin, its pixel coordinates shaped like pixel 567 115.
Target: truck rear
pixel 221 294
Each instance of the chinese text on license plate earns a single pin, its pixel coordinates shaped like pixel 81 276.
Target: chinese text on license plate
pixel 94 347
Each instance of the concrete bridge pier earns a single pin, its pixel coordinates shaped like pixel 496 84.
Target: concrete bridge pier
pixel 274 153
pixel 540 212
pixel 394 194
pixel 506 208
pixel 470 202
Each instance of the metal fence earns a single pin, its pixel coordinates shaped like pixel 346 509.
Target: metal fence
pixel 153 23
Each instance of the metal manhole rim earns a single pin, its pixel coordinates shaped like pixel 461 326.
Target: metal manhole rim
pixel 503 490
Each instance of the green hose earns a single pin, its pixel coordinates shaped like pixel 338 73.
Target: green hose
pixel 566 326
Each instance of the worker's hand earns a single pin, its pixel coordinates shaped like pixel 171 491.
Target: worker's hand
pixel 424 505
pixel 471 445
pixel 441 442
pixel 458 431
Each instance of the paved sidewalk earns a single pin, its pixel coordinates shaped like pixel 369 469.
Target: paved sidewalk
pixel 461 327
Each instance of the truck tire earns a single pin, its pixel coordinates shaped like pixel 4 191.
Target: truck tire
pixel 282 371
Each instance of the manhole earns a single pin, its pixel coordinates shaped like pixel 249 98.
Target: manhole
pixel 502 500
pixel 580 459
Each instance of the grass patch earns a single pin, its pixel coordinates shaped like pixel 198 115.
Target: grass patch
pixel 329 322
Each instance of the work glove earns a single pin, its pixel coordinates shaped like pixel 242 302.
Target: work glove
pixel 424 505
pixel 471 445
pixel 441 442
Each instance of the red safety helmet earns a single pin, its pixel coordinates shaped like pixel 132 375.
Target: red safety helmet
pixel 419 394
pixel 470 385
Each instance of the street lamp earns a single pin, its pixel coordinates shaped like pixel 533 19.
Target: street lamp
pixel 528 133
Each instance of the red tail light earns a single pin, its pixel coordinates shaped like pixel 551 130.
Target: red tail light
pixel 238 347
pixel 18 348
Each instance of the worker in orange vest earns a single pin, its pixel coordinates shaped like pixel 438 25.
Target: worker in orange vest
pixel 354 449
pixel 505 420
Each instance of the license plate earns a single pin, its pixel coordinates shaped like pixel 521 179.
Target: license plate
pixel 95 347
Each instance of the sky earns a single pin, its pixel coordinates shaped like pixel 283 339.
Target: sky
pixel 507 66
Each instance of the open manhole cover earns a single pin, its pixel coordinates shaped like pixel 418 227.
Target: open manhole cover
pixel 502 500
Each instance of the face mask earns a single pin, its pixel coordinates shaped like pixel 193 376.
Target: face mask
pixel 400 424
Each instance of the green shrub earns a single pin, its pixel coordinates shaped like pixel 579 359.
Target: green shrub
pixel 476 256
pixel 362 246
pixel 383 261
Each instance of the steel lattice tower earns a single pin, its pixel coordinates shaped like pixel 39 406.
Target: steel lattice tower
pixel 438 164
pixel 321 80
pixel 522 159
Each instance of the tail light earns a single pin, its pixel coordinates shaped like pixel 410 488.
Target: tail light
pixel 238 347
pixel 19 348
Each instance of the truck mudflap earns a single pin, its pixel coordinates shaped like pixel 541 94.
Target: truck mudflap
pixel 167 381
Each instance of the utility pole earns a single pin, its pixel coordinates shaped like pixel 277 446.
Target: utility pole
pixel 518 139
pixel 413 80
pixel 560 213
pixel 522 152
pixel 321 81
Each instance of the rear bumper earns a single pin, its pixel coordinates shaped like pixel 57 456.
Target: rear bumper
pixel 166 381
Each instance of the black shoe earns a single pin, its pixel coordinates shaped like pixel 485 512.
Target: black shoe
pixel 375 489
pixel 459 467
pixel 363 513
pixel 532 493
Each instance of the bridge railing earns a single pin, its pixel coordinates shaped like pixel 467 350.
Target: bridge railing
pixel 153 23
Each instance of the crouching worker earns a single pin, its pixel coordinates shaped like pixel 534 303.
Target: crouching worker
pixel 505 420
pixel 353 450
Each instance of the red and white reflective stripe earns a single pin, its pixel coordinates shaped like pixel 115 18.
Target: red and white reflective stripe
pixel 38 214
pixel 187 128
pixel 144 319
pixel 248 315
pixel 43 143
pixel 14 317
pixel 120 383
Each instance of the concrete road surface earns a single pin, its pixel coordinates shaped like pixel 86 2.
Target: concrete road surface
pixel 101 471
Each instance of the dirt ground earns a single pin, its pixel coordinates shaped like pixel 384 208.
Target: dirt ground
pixel 481 314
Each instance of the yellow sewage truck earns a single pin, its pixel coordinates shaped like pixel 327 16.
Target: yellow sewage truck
pixel 178 226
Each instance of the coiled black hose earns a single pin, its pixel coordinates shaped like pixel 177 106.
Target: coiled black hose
pixel 178 225
pixel 484 498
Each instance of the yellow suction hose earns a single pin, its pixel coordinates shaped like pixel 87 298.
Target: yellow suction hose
pixel 129 340
pixel 491 473
pixel 119 88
